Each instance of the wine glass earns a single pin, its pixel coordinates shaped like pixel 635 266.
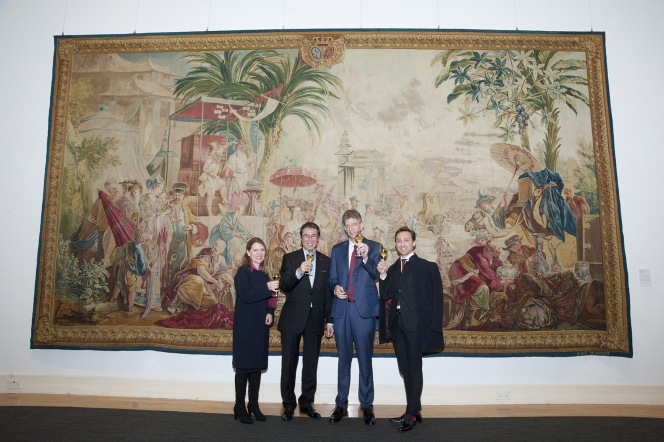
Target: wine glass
pixel 276 277
pixel 310 258
pixel 383 253
pixel 359 238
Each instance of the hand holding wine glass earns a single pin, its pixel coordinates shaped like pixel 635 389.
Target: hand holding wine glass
pixel 359 238
pixel 383 253
pixel 310 258
pixel 382 265
pixel 305 267
pixel 274 284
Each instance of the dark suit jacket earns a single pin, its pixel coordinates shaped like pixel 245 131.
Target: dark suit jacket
pixel 364 280
pixel 420 290
pixel 300 295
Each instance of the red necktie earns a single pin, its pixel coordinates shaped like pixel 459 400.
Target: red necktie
pixel 353 260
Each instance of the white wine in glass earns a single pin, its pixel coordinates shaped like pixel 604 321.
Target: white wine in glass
pixel 359 238
pixel 276 277
pixel 383 254
pixel 310 258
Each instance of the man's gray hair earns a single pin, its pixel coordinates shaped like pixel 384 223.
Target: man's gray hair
pixel 348 214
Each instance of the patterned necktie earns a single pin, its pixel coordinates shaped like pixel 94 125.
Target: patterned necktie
pixel 353 260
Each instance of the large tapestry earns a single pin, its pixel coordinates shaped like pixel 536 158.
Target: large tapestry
pixel 167 153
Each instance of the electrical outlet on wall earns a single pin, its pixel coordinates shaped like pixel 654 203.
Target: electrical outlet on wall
pixel 503 395
pixel 13 385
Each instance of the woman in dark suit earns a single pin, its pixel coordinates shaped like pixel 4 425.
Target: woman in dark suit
pixel 254 311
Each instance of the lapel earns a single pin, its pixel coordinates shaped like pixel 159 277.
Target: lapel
pixel 409 263
pixel 394 272
pixel 346 251
pixel 394 275
pixel 319 266
pixel 406 269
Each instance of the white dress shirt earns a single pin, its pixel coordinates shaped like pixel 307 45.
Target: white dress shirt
pixel 351 247
pixel 312 273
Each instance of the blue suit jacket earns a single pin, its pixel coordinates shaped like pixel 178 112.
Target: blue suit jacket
pixel 364 280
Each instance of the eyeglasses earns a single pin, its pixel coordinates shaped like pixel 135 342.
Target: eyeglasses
pixel 309 236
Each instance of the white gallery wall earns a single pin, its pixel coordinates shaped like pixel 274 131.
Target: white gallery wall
pixel 635 59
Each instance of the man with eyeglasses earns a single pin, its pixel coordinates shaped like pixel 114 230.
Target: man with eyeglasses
pixel 305 315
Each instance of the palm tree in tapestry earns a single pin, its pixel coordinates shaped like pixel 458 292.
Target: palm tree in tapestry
pixel 519 88
pixel 302 91
pixel 227 75
pixel 304 95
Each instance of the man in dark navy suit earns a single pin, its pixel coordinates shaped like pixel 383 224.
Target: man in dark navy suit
pixel 354 312
pixel 414 290
pixel 304 315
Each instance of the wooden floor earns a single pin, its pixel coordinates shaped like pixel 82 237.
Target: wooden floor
pixel 382 411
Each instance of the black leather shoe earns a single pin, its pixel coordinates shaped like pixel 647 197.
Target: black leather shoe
pixel 337 414
pixel 407 424
pixel 287 415
pixel 369 417
pixel 310 411
pixel 398 420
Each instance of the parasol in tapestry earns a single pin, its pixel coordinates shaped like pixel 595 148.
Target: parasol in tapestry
pixel 495 147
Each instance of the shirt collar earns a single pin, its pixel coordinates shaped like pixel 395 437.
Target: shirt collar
pixel 407 257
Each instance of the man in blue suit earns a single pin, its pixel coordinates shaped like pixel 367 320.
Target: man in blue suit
pixel 354 312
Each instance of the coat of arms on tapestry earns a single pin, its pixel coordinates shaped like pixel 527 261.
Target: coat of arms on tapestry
pixel 168 153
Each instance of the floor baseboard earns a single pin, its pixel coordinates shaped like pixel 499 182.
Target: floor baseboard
pixel 445 395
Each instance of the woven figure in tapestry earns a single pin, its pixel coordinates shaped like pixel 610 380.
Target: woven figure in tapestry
pixel 186 232
pixel 210 180
pixel 130 264
pixel 87 243
pixel 202 283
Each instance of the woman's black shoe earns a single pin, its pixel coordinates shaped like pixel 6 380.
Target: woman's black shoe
pixel 240 412
pixel 253 408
